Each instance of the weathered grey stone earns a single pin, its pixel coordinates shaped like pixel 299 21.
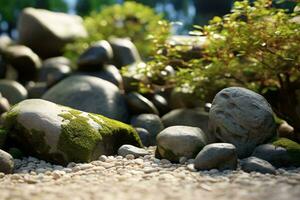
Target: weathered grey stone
pixel 54 61
pixel 150 122
pixel 139 104
pixel 36 89
pixel 48 32
pixel 24 60
pixel 254 164
pixel 277 156
pixel 144 136
pixel 6 162
pixel 109 73
pixel 61 134
pixel 180 141
pixel 221 156
pixel 124 51
pixel 54 69
pixel 4 105
pixel 95 56
pixel 13 91
pixel 187 117
pixel 89 94
pixel 160 103
pixel 126 149
pixel 5 41
pixel 241 117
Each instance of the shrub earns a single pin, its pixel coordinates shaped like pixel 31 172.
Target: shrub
pixel 255 46
pixel 130 19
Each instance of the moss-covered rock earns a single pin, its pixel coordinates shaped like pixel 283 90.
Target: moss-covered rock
pixel 293 149
pixel 61 134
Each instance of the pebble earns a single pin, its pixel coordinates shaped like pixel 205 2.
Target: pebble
pixel 116 177
pixel 129 156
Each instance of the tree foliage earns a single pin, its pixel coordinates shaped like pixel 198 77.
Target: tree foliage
pixel 130 19
pixel 255 46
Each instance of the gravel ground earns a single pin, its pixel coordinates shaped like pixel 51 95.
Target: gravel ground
pixel 143 178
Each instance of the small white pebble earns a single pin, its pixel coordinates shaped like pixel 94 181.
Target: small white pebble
pixel 182 160
pixel 165 162
pixel 102 158
pixel 129 156
pixel 191 168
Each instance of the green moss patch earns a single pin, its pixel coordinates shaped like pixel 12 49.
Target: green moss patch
pixel 78 138
pixel 82 143
pixel 293 149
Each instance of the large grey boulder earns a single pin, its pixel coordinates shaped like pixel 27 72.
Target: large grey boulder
pixel 54 69
pixel 221 156
pixel 108 72
pixel 61 134
pixel 254 164
pixel 180 141
pixel 89 94
pixel 241 117
pixel 6 162
pixel 13 91
pixel 48 32
pixel 24 60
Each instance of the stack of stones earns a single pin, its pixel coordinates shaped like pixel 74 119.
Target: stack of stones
pixel 63 114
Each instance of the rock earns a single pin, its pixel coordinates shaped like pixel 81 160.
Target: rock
pixel 13 91
pixel 109 73
pixel 180 141
pixel 95 56
pixel 292 149
pixel 89 94
pixel 253 164
pixel 4 105
pixel 36 89
pixel 55 61
pixel 24 60
pixel 287 131
pixel 124 51
pixel 160 103
pixel 61 134
pixel 6 162
pixel 5 41
pixel 126 149
pixel 53 71
pixel 150 122
pixel 277 156
pixel 144 136
pixel 241 117
pixel 221 156
pixel 48 32
pixel 139 104
pixel 187 117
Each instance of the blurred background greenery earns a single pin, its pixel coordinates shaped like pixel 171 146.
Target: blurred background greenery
pixel 188 12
